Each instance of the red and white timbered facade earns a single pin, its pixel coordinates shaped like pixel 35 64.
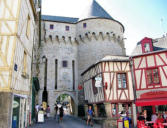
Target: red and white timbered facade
pixel 150 74
pixel 116 84
pixel 116 81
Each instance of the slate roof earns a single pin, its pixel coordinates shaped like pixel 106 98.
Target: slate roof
pixel 94 10
pixel 108 58
pixel 59 19
pixel 115 58
pixel 158 45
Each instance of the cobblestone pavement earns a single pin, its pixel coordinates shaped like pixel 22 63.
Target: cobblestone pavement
pixel 68 122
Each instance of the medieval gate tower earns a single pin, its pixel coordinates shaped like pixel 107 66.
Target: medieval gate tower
pixel 71 45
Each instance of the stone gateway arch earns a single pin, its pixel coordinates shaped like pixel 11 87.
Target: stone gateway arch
pixel 71 45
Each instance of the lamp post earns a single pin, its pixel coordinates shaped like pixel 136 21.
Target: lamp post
pixel 45 94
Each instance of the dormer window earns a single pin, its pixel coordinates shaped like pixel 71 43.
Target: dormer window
pixel 147 47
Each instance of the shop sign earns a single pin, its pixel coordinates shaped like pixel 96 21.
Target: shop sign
pixel 154 94
pixel 15 104
pixel 126 122
pixel 79 87
pixel 98 82
pixel 40 116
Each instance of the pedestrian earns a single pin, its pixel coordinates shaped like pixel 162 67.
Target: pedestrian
pixel 48 111
pixel 141 117
pixel 154 117
pixel 165 116
pixel 36 112
pixel 90 114
pixel 61 113
pixel 145 114
pixel 56 109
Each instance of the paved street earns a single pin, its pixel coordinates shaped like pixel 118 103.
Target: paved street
pixel 68 122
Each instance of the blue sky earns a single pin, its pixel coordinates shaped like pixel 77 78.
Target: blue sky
pixel 141 18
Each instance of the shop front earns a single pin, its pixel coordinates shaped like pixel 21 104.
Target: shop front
pixel 123 113
pixel 19 115
pixel 154 103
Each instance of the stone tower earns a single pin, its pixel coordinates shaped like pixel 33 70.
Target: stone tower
pixel 70 45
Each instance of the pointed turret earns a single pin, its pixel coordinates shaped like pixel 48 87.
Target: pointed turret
pixel 94 10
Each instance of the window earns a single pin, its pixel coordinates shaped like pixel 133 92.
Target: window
pixel 121 79
pixel 147 47
pixel 25 62
pixel 64 63
pixel 84 25
pixel 28 27
pixel 73 73
pixel 152 76
pixel 56 72
pixel 94 87
pixel 67 28
pixel 51 26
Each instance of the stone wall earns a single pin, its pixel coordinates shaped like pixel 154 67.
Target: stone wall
pixel 6 109
pixel 85 46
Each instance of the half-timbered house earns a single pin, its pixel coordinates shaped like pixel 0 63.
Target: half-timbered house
pixel 108 87
pixel 150 75
pixel 17 28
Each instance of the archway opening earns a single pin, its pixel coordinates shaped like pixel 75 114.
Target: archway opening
pixel 68 104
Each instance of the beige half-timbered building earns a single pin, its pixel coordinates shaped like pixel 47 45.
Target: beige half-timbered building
pixel 108 87
pixel 17 28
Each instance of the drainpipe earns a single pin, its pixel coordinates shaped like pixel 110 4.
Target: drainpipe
pixel 40 6
pixel 134 92
pixel 133 80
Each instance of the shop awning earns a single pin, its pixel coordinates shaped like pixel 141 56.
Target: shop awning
pixel 151 102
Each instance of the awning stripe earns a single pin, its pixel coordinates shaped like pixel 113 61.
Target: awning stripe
pixel 151 102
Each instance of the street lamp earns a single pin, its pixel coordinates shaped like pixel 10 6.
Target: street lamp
pixel 44 59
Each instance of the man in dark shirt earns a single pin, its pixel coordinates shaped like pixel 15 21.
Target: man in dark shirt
pixel 141 117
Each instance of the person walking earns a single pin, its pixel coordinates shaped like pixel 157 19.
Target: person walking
pixel 61 113
pixel 56 110
pixel 37 107
pixel 90 114
pixel 48 111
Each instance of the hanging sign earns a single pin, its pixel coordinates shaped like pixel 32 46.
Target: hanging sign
pixel 15 104
pixel 79 87
pixel 98 81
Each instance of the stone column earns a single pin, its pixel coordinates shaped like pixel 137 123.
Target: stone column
pixel 76 109
pixel 95 110
pixel 86 109
pixel 108 109
pixel 134 114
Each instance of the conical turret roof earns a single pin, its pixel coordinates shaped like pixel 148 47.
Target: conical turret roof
pixel 94 10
